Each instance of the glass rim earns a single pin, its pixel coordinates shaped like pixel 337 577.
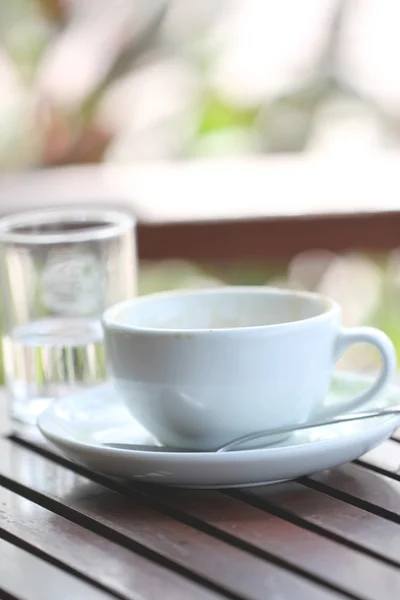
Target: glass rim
pixel 111 223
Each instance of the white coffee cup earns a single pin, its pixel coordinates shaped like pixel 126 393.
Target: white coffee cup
pixel 201 368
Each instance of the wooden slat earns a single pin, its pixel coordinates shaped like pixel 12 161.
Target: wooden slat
pixel 24 576
pixel 121 571
pixel 133 524
pixel 386 458
pixel 311 512
pixel 362 487
pixel 324 558
pixel 331 516
pixel 278 239
pixel 284 539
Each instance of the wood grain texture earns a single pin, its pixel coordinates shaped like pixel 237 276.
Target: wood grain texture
pixel 332 516
pixel 283 539
pixel 24 576
pixel 333 536
pixel 132 524
pixel 119 570
pixel 324 558
pixel 362 487
pixel 386 458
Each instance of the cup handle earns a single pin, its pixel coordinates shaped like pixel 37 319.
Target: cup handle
pixel 361 335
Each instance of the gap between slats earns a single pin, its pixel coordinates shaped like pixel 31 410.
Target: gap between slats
pixel 283 513
pixel 91 525
pixel 111 533
pixel 201 524
pixel 384 463
pixel 42 531
pixel 5 596
pixel 34 577
pixel 163 507
pixel 50 560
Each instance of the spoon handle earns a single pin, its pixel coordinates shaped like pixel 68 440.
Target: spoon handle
pixel 359 416
pixel 369 414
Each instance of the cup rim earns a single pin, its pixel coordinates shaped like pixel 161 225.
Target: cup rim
pixel 109 321
pixel 111 223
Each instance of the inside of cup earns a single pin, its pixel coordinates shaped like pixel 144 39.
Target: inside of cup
pixel 219 310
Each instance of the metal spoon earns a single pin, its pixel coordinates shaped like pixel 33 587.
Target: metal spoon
pixel 369 414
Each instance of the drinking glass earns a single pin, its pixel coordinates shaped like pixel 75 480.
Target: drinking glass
pixel 60 269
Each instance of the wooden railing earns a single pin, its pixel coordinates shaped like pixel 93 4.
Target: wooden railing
pixel 233 209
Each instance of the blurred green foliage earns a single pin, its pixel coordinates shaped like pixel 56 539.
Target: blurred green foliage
pixel 217 114
pixel 58 85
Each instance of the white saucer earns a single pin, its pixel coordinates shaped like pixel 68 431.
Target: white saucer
pixel 79 424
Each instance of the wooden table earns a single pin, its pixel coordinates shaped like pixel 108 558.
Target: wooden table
pixel 234 209
pixel 69 534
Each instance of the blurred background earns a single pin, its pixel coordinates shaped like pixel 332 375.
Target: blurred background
pixel 133 81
